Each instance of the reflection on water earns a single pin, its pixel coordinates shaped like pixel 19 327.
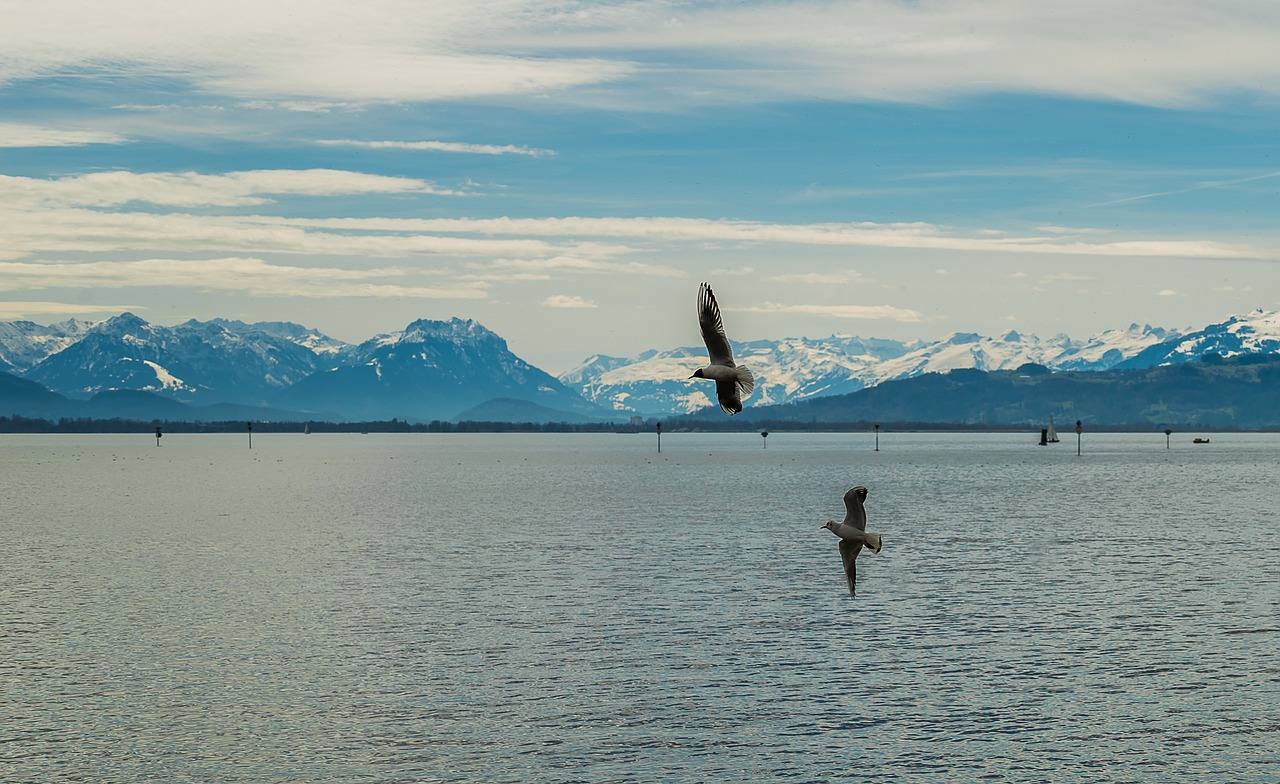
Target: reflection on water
pixel 529 608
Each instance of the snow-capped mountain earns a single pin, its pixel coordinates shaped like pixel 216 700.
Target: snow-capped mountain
pixel 656 383
pixel 1257 332
pixel 192 362
pixel 430 370
pixel 24 344
pixel 439 369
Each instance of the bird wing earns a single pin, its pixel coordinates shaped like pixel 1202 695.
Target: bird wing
pixel 713 328
pixel 855 514
pixel 727 394
pixel 849 550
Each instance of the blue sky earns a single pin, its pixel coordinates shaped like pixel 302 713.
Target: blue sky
pixel 566 173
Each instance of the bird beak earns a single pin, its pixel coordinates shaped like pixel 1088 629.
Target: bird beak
pixel 695 375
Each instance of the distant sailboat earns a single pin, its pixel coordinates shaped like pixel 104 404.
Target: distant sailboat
pixel 1052 437
pixel 306 429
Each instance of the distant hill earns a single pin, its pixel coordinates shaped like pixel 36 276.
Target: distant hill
pixel 1216 392
pixel 19 396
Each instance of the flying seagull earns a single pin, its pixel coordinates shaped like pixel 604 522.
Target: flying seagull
pixel 853 533
pixel 733 382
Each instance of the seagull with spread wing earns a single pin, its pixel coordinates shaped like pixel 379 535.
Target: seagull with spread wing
pixel 853 533
pixel 733 381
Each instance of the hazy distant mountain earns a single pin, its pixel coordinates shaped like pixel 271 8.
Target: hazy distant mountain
pixel 656 383
pixel 430 370
pixel 193 362
pixel 1211 393
pixel 19 396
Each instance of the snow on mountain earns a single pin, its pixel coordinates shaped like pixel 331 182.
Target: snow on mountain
pixel 23 344
pixel 435 369
pixel 656 382
pixel 430 370
pixel 193 361
pixel 313 340
pixel 1257 332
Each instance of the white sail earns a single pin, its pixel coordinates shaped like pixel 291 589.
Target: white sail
pixel 1053 432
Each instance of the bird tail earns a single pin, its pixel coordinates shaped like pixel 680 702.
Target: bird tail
pixel 745 381
pixel 872 541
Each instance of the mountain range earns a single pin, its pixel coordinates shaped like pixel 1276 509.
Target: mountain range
pixel 458 369
pixel 654 383
pixel 220 369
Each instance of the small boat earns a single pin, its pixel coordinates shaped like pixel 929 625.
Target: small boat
pixel 306 429
pixel 1052 436
pixel 1198 440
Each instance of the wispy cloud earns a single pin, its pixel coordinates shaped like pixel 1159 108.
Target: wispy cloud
pixel 568 301
pixel 1212 185
pixel 917 235
pixel 400 50
pixel 23 135
pixel 572 264
pixel 821 278
pixel 190 189
pixel 11 310
pixel 253 276
pixel 462 147
pixel 864 312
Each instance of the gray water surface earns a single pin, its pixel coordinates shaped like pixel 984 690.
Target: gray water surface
pixel 579 608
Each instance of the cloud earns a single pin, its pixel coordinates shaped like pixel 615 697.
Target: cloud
pixel 1167 293
pixel 568 301
pixel 544 266
pixel 732 271
pixel 22 135
pixel 1066 277
pixel 1212 185
pixel 474 149
pixel 12 310
pixel 253 276
pixel 190 189
pixel 866 312
pixel 821 278
pixel 662 54
pixel 917 235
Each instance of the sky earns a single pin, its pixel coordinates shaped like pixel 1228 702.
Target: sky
pixel 566 173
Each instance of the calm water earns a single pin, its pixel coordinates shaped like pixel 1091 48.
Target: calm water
pixel 578 608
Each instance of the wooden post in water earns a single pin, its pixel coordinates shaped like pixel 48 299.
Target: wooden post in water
pixel 250 424
pixel 158 434
pixel 1079 429
pixel 764 434
pixel 658 429
pixel 877 437
pixel 1167 433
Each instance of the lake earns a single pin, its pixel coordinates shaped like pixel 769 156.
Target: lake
pixel 580 608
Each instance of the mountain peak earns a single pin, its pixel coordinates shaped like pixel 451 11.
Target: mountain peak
pixel 454 330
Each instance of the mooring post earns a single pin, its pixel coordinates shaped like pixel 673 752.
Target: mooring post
pixel 877 438
pixel 658 429
pixel 250 424
pixel 1079 430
